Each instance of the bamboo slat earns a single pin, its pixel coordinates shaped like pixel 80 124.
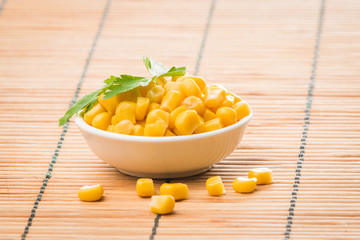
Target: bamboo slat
pixel 262 50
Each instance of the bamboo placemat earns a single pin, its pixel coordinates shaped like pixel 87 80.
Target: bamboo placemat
pixel 295 62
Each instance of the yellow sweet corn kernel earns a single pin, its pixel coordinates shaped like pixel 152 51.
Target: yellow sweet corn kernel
pixel 215 186
pixel 126 111
pixel 95 110
pixel 138 130
pixel 189 88
pixel 156 94
pixel 162 204
pixel 141 123
pixel 174 114
pixel 91 193
pixel 145 187
pixel 200 82
pixel 236 97
pixel 124 127
pixel 142 105
pixel 242 109
pixel 156 115
pixel 170 86
pixel 153 106
pixel 156 129
pixel 161 81
pixel 208 115
pixel 144 89
pixel 244 185
pixel 102 120
pixel 113 120
pixel 171 100
pixel 110 128
pixel 169 133
pixel 174 78
pixel 109 104
pixel 186 122
pixel 201 128
pixel 263 175
pixel 229 101
pixel 213 125
pixel 214 96
pixel 227 116
pixel 179 191
pixel 194 103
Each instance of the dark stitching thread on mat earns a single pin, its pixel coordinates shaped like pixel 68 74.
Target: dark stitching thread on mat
pixel 306 124
pixel 66 126
pixel 2 4
pixel 198 61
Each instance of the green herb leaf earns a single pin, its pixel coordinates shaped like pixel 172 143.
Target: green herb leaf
pixel 124 84
pixel 156 69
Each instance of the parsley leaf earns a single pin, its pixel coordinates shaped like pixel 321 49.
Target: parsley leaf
pixel 124 84
pixel 156 69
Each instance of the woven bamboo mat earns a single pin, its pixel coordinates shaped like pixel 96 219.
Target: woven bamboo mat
pixel 295 62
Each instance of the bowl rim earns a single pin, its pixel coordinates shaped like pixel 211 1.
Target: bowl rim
pixel 116 136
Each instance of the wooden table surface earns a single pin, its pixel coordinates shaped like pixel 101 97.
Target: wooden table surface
pixel 295 62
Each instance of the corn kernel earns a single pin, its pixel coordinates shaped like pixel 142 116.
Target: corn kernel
pixel 171 101
pixel 113 120
pixel 156 129
pixel 194 103
pixel 110 128
pixel 91 193
pixel 244 185
pixel 138 130
pixel 141 123
pixel 156 115
pixel 242 109
pixel 169 133
pixel 213 125
pixel 126 111
pixel 156 94
pixel 200 82
pixel 189 88
pixel 95 110
pixel 236 97
pixel 263 175
pixel 201 128
pixel 161 81
pixel 102 120
pixel 214 96
pixel 142 105
pixel 144 89
pixel 109 104
pixel 227 116
pixel 124 127
pixel 209 115
pixel 153 106
pixel 170 86
pixel 175 78
pixel 145 187
pixel 215 186
pixel 229 101
pixel 174 114
pixel 179 191
pixel 162 204
pixel 186 122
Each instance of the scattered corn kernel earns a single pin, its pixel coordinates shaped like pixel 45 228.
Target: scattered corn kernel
pixel 144 89
pixel 110 128
pixel 153 106
pixel 190 88
pixel 126 111
pixel 145 187
pixel 213 125
pixel 236 97
pixel 194 103
pixel 161 81
pixel 179 191
pixel 113 120
pixel 229 101
pixel 156 94
pixel 200 82
pixel 227 116
pixel 201 128
pixel 156 129
pixel 186 122
pixel 124 127
pixel 157 114
pixel 244 185
pixel 102 120
pixel 214 96
pixel 162 204
pixel 263 175
pixel 138 130
pixel 242 109
pixel 171 101
pixel 109 104
pixel 174 114
pixel 169 133
pixel 209 115
pixel 142 105
pixel 91 193
pixel 215 186
pixel 95 110
pixel 170 86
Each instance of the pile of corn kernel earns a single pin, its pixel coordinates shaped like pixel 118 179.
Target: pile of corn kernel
pixel 171 192
pixel 171 107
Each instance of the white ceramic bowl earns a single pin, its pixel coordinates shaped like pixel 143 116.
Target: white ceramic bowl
pixel 163 157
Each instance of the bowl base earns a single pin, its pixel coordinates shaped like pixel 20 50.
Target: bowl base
pixel 165 175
